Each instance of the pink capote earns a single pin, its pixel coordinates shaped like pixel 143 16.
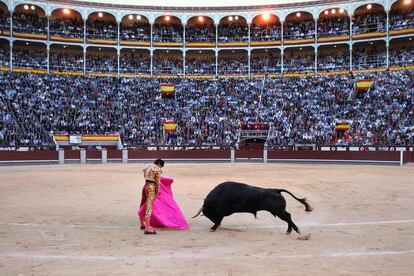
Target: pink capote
pixel 165 212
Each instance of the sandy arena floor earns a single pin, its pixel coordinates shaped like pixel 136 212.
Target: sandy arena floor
pixel 81 220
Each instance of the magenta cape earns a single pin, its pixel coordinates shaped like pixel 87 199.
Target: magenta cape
pixel 165 213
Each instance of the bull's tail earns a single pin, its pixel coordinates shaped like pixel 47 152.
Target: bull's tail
pixel 308 208
pixel 199 212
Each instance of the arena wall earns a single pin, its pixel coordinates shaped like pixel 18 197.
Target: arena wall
pixel 208 155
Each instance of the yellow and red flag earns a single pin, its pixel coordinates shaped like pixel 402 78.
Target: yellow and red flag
pixel 167 89
pixel 364 85
pixel 170 126
pixel 342 126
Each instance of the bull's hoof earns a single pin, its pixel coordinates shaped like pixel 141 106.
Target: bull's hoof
pixel 212 230
pixel 288 232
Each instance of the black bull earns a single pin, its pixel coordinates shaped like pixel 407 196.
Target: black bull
pixel 231 197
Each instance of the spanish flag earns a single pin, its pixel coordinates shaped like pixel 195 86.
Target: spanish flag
pixel 167 89
pixel 342 126
pixel 364 85
pixel 170 126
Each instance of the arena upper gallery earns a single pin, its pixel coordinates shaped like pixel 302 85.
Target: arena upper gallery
pixel 190 3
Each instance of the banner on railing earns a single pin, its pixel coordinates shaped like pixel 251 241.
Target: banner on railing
pixel 87 140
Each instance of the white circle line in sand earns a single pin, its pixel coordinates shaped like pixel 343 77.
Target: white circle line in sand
pixel 338 254
pixel 308 224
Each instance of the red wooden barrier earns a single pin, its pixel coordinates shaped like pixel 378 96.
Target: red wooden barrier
pixel 249 153
pixel 40 155
pixel 93 154
pixel 114 154
pixel 337 155
pixel 179 154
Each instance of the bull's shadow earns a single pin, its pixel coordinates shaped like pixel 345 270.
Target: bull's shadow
pixel 229 197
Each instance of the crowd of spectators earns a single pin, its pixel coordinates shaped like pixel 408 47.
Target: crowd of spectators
pixel 402 56
pixel 268 32
pixel 306 110
pixel 101 29
pixel 29 23
pixel 336 61
pixel 4 55
pixel 138 31
pixel 233 32
pixel 369 57
pixel 304 29
pixel 265 64
pixel 67 27
pixel 101 62
pixel 372 22
pixel 21 109
pixel 333 26
pixel 135 63
pixel 35 58
pixel 297 63
pixel 401 19
pixel 200 65
pixel 200 33
pixel 72 27
pixel 4 22
pixel 172 32
pixel 228 65
pixel 363 57
pixel 66 61
pixel 171 65
pixel 207 111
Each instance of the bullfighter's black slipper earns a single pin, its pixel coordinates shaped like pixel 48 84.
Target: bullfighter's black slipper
pixel 150 233
pixel 142 228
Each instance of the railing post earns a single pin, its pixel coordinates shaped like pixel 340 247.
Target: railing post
pixel 401 158
pixel 232 155
pixel 124 156
pixel 82 156
pixel 104 156
pixel 265 155
pixel 61 156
